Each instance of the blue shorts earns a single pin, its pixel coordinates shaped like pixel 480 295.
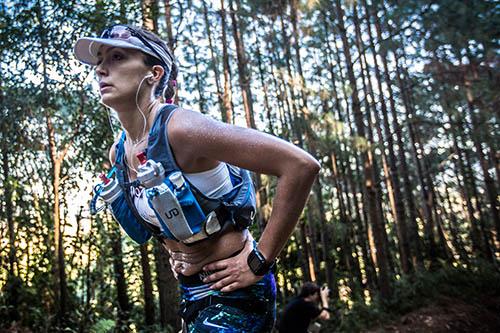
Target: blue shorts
pixel 250 309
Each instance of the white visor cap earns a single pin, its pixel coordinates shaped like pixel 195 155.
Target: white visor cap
pixel 86 48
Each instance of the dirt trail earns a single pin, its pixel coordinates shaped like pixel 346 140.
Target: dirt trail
pixel 449 315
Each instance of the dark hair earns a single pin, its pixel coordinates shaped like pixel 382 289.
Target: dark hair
pixel 166 85
pixel 308 289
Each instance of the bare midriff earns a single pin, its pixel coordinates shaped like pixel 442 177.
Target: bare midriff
pixel 189 260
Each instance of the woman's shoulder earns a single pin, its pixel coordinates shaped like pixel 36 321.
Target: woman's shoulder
pixel 187 125
pixel 183 119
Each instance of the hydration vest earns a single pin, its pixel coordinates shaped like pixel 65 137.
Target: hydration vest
pixel 236 208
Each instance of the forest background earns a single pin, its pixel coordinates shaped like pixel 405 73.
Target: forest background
pixel 398 100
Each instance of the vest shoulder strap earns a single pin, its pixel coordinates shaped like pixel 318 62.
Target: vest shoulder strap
pixel 159 148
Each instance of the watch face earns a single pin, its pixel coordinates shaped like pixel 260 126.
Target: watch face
pixel 253 260
pixel 257 263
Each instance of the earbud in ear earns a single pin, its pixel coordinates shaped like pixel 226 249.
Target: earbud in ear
pixel 149 75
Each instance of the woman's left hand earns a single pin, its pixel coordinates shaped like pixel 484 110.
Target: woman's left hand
pixel 232 273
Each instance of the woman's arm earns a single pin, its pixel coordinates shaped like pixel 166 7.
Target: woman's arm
pixel 193 135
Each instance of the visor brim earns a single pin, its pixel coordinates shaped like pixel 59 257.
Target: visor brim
pixel 86 48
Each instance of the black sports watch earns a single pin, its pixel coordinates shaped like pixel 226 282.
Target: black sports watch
pixel 258 264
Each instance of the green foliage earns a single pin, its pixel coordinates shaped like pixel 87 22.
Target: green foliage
pixel 103 326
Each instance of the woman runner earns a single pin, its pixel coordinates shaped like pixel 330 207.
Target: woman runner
pixel 225 278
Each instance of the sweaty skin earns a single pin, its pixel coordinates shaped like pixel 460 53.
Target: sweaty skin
pixel 189 260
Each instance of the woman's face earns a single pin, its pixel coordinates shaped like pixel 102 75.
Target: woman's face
pixel 119 72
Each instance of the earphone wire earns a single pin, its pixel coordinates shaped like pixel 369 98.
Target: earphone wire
pixel 142 113
pixel 134 144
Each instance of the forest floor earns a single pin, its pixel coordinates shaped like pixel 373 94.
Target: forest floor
pixel 445 314
pixel 449 314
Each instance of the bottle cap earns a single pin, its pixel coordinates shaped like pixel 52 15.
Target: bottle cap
pixel 176 179
pixel 104 179
pixel 142 157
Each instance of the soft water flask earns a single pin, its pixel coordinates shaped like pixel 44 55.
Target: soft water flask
pixel 110 190
pixel 149 173
pixel 169 211
pixel 190 205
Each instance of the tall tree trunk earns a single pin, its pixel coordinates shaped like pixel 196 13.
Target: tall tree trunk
pixel 491 191
pixel 464 183
pixel 393 182
pixel 167 284
pixel 305 255
pixel 368 167
pixel 414 238
pixel 243 74
pixel 294 20
pixel 471 180
pixel 167 288
pixel 168 18
pixel 120 280
pixel 264 85
pixel 149 305
pixel 214 63
pixel 296 125
pixel 432 251
pixel 281 97
pixel 283 102
pixel 199 83
pixel 13 297
pixel 55 161
pixel 227 96
pixel 454 230
pixel 310 229
pixel 348 176
pixel 9 216
pixel 172 40
pixel 149 14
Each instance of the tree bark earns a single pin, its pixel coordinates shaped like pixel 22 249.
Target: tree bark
pixel 347 174
pixel 55 161
pixel 264 85
pixel 169 297
pixel 243 74
pixel 393 182
pixel 7 187
pixel 167 284
pixel 120 280
pixel 476 138
pixel 414 238
pixel 199 83
pixel 227 96
pixel 372 197
pixel 149 306
pixel 215 62
pixel 149 14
